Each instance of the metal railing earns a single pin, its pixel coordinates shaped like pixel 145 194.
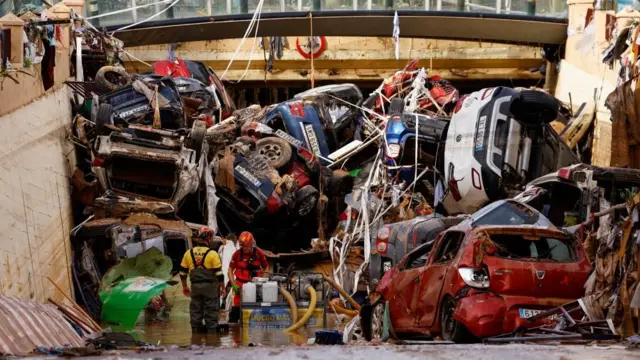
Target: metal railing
pixel 142 9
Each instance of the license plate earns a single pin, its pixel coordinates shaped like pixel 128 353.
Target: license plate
pixel 290 139
pixel 480 133
pixel 247 175
pixel 527 313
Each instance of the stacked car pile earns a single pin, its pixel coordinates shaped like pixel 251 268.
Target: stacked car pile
pixel 413 168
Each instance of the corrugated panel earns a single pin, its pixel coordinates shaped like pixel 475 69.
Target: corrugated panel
pixel 25 325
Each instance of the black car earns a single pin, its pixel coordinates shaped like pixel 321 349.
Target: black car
pixel 132 104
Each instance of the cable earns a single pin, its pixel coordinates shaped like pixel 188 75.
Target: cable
pixel 255 40
pixel 147 19
pixel 246 34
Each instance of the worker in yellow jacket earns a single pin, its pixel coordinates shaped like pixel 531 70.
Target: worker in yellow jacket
pixel 204 268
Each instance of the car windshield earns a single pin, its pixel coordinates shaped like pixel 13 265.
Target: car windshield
pixel 539 249
pixel 508 213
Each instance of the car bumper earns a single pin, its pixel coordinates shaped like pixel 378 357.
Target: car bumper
pixel 487 314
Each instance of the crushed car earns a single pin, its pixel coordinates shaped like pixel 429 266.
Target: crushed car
pixel 394 241
pixel 152 164
pixel 569 195
pixel 498 139
pixel 479 280
pixel 180 68
pixel 325 120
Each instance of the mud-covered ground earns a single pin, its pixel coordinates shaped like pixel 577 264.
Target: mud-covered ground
pixel 394 352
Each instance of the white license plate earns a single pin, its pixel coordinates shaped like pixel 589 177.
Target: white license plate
pixel 290 139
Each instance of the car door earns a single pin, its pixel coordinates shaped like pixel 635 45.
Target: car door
pixel 432 278
pixel 405 284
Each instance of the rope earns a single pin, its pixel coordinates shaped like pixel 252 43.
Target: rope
pixel 311 51
pixel 244 38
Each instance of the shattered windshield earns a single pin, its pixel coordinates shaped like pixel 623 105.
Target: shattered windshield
pixel 542 249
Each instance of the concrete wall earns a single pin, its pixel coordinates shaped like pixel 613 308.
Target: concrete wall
pixel 35 205
pixel 584 78
pixel 35 196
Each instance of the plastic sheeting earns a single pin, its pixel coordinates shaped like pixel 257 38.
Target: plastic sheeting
pixel 25 325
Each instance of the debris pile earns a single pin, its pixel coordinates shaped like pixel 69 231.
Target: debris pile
pixel 373 183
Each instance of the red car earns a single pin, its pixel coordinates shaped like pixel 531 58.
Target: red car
pixel 477 281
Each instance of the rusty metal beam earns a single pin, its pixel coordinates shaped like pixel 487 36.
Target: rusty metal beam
pixel 501 28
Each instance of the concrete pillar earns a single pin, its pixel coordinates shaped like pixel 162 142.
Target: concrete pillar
pixel 244 6
pixel 317 5
pixel 461 5
pixel 15 27
pixel 75 5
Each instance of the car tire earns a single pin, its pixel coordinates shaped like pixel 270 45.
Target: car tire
pixel 534 107
pixel 197 135
pixel 276 150
pixel 396 107
pixel 306 200
pixel 377 320
pixel 451 329
pixel 111 78
pixel 103 118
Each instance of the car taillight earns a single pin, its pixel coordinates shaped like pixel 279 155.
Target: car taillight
pixel 345 215
pixel 393 151
pixel 97 162
pixel 273 203
pixel 477 278
pixel 564 173
pixel 382 241
pixel 459 104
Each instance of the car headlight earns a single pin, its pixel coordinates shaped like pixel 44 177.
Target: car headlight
pixel 477 278
pixel 393 151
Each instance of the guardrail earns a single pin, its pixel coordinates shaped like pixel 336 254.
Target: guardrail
pixel 123 12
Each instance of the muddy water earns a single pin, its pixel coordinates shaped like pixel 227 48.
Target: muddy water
pixel 176 330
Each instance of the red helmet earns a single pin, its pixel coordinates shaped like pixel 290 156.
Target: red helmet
pixel 205 233
pixel 246 239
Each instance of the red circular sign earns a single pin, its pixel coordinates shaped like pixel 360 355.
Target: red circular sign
pixel 315 47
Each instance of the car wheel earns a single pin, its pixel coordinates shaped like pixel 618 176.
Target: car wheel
pixel 111 78
pixel 377 320
pixel 451 329
pixel 534 107
pixel 197 134
pixel 276 150
pixel 103 118
pixel 306 200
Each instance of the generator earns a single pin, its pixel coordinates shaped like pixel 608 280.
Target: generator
pixel 263 306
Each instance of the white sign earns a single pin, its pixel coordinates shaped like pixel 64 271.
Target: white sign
pixel 141 285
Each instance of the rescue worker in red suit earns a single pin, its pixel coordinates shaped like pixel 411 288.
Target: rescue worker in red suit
pixel 204 268
pixel 246 263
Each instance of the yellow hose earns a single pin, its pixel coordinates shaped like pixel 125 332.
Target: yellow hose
pixel 342 292
pixel 292 304
pixel 310 310
pixel 341 310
